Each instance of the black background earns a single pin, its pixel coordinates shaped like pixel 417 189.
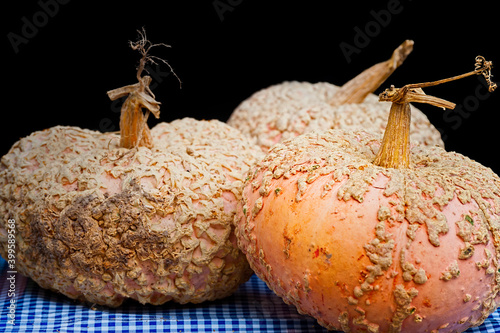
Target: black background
pixel 225 50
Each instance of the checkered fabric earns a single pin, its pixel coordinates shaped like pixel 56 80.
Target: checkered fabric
pixel 253 308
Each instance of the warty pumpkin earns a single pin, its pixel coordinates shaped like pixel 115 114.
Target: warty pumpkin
pixel 370 235
pixel 145 215
pixel 288 109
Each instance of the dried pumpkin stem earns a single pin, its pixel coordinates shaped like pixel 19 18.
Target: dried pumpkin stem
pixel 395 149
pixel 356 90
pixel 134 131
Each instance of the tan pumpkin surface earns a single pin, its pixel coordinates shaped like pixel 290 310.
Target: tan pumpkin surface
pixel 285 110
pixel 101 223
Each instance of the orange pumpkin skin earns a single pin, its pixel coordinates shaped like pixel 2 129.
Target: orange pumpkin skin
pixel 367 249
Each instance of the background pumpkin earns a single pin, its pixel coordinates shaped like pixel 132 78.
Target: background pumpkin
pixel 370 235
pixel 285 110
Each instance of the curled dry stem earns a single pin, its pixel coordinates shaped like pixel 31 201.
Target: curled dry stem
pixel 144 46
pixel 395 148
pixel 414 93
pixel 134 131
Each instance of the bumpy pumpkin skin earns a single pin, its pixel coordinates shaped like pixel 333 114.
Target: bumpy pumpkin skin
pixel 285 110
pixel 102 224
pixel 368 249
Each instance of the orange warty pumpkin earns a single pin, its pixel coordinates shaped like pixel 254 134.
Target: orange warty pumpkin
pixel 370 235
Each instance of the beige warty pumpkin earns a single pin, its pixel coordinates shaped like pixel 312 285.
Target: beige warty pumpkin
pixel 152 222
pixel 285 110
pixel 370 235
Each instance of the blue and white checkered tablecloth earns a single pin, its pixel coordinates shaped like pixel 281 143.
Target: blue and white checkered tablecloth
pixel 253 308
